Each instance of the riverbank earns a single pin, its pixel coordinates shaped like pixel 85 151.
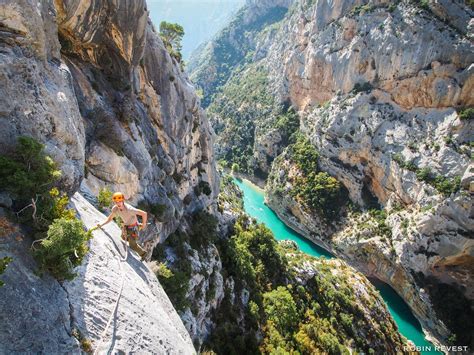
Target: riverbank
pixel 254 205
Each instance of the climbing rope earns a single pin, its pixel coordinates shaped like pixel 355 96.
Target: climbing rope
pixel 120 260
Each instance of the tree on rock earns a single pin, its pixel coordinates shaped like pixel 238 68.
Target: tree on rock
pixel 172 34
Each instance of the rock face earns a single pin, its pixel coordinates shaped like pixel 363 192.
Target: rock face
pixel 110 104
pixel 205 291
pixel 94 83
pixel 34 311
pixel 53 316
pixel 378 87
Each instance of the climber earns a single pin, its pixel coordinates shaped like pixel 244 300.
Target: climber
pixel 130 227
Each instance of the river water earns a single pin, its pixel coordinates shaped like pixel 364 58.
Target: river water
pixel 407 324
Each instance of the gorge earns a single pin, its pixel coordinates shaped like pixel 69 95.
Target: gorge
pixel 406 322
pixel 354 116
pixel 337 108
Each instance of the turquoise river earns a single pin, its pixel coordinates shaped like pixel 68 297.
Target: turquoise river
pixel 408 325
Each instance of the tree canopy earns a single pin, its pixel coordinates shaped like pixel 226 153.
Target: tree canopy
pixel 172 34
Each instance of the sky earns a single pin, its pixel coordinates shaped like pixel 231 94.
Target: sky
pixel 201 19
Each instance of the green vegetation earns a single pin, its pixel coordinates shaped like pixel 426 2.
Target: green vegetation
pixel 392 7
pixel 444 185
pixel 64 248
pixel 280 309
pixel 3 266
pixel 171 35
pixel 244 101
pixel 287 123
pixel 380 217
pixel 203 230
pixel 163 271
pixel 235 168
pixel 466 113
pixel 317 190
pixel 424 4
pixel 28 171
pixel 226 55
pixel 230 194
pixel 321 317
pixel 156 209
pixel 362 87
pixel 175 278
pixel 105 198
pixel 362 9
pixel 29 175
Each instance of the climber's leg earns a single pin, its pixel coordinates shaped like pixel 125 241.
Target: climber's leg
pixel 132 236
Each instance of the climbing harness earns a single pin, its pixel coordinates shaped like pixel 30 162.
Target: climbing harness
pixel 120 260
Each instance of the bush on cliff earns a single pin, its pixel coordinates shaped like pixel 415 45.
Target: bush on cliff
pixel 64 248
pixel 30 175
pixel 445 185
pixel 27 171
pixel 466 113
pixel 175 277
pixel 104 198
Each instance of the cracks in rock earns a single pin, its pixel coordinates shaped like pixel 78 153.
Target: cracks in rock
pixel 71 313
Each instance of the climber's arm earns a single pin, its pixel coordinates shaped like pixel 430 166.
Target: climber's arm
pixel 144 216
pixel 109 218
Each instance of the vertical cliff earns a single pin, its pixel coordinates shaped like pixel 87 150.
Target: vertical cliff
pixel 93 82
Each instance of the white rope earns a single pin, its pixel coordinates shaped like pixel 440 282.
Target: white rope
pixel 104 333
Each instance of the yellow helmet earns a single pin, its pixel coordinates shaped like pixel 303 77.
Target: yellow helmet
pixel 118 196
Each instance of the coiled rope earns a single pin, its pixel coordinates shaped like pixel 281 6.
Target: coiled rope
pixel 120 260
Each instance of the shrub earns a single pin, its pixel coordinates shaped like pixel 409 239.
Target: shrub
pixel 424 4
pixel 235 168
pixel 104 198
pixel 362 9
pixel 29 174
pixel 287 123
pixel 446 185
pixel 380 217
pixel 163 271
pixel 424 174
pixel 203 230
pixel 176 287
pixel 3 266
pixel 466 113
pixel 64 248
pixel 86 344
pixel 28 171
pixel 52 206
pixel 362 87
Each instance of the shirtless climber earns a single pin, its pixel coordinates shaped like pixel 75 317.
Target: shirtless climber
pixel 130 227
